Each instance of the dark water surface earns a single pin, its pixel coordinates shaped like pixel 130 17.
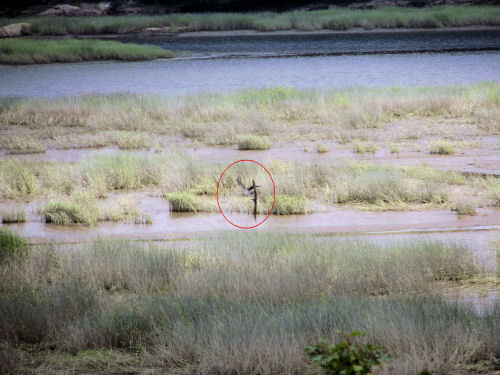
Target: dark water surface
pixel 326 44
pixel 340 60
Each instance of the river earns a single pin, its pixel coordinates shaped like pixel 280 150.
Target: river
pixel 221 64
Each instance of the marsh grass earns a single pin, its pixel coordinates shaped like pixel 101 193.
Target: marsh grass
pixel 81 209
pixel 334 18
pixel 223 119
pixel 11 244
pixel 288 205
pixel 184 307
pixel 442 147
pixel 321 148
pixel 363 147
pixel 464 206
pixel 253 142
pixel 193 182
pixel 36 51
pixel 186 202
pixel 13 215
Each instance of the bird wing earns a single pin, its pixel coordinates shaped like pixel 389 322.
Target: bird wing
pixel 240 183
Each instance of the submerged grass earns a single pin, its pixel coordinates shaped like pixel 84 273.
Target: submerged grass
pixel 216 304
pixel 333 18
pixel 36 51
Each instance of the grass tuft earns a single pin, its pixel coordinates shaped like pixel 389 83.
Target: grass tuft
pixel 11 244
pixel 321 148
pixel 253 142
pixel 14 215
pixel 363 147
pixel 442 147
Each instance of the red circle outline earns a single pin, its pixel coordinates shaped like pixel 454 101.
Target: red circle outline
pixel 274 194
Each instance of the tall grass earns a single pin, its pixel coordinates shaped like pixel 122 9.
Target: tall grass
pixel 241 302
pixel 334 18
pixel 189 182
pixel 36 51
pixel 277 114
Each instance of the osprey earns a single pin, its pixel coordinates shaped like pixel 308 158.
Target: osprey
pixel 247 191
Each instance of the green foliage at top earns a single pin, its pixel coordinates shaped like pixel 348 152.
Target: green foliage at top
pixel 30 51
pixel 11 244
pixel 345 358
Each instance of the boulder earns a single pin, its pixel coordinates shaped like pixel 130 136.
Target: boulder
pixel 62 10
pixel 15 30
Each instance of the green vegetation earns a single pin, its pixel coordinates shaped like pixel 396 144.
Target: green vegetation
pixel 11 244
pixel 130 121
pixel 348 357
pixel 14 215
pixel 363 147
pixel 81 210
pixel 183 307
pixel 288 205
pixel 464 207
pixel 192 184
pixel 321 148
pixel 334 18
pixel 186 202
pixel 442 147
pixel 36 51
pixel 253 142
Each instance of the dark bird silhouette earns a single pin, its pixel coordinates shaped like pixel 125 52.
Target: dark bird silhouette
pixel 247 190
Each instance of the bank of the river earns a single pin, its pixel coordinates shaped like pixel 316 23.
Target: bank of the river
pixel 333 18
pixel 31 51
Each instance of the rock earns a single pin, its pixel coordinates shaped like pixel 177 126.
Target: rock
pixel 62 10
pixel 15 30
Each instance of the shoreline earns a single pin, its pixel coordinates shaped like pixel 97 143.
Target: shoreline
pixel 291 32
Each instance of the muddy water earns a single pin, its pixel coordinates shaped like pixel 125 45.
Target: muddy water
pixel 167 224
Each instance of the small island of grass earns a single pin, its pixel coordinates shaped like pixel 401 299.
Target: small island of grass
pixel 36 51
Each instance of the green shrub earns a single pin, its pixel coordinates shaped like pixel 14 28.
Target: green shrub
pixel 463 207
pixel 345 358
pixel 253 142
pixel 11 244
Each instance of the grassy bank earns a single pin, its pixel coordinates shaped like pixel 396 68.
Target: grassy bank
pixel 36 51
pixel 244 303
pixel 334 18
pixel 275 114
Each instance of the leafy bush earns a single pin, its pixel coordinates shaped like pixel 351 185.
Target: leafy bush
pixel 11 244
pixel 321 148
pixel 345 358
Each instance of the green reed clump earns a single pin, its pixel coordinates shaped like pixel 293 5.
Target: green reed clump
pixel 36 51
pixel 11 244
pixel 253 142
pixel 289 205
pixel 14 215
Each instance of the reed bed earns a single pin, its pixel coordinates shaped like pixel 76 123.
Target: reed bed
pixel 244 302
pixel 76 189
pixel 334 18
pixel 272 114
